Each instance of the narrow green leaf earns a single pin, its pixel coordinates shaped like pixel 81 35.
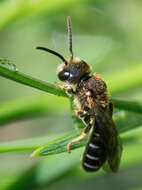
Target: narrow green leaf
pixel 15 75
pixel 134 106
pixel 124 122
pixel 59 145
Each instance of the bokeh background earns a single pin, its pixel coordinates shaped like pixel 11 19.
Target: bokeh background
pixel 107 35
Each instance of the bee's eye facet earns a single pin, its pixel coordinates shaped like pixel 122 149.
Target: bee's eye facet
pixel 63 75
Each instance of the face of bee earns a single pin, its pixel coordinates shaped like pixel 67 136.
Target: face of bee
pixel 73 71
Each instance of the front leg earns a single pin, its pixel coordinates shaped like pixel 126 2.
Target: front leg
pixel 67 88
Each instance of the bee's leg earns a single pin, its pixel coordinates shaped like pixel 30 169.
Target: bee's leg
pixel 82 136
pixel 69 90
pixel 89 125
pixel 79 113
pixel 62 87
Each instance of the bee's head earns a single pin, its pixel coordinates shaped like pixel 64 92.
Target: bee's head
pixel 71 70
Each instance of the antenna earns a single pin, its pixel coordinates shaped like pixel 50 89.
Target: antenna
pixel 70 36
pixel 53 52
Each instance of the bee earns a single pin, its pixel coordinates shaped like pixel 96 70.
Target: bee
pixel 93 106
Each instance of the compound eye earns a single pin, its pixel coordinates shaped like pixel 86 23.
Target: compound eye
pixel 66 74
pixel 63 75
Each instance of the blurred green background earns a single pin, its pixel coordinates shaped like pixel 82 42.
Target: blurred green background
pixel 108 35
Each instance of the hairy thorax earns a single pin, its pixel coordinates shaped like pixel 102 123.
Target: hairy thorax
pixel 91 93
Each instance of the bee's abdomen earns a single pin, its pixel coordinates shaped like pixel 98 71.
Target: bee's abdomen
pixel 95 153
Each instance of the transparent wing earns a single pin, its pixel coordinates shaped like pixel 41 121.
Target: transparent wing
pixel 111 141
pixel 113 147
pixel 114 156
pixel 89 48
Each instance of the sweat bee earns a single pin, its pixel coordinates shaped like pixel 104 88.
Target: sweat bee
pixel 93 106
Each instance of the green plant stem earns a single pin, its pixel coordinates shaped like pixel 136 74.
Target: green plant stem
pixel 115 81
pixel 29 81
pixel 132 106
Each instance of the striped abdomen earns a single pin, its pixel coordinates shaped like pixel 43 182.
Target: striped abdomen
pixel 95 152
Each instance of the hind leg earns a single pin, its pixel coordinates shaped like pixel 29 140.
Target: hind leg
pixel 83 135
